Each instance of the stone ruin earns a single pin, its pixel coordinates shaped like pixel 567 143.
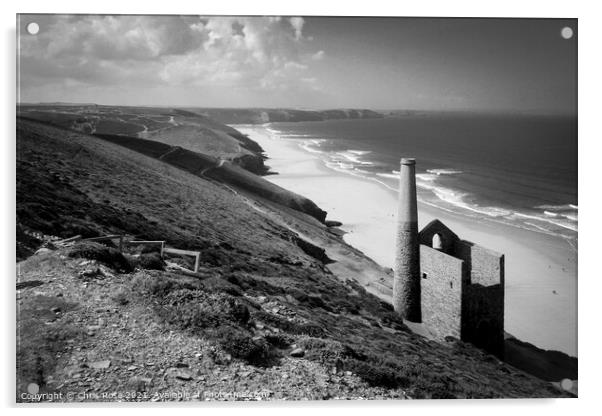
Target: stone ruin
pixel 451 286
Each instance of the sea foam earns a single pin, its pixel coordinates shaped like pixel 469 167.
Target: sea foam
pixel 444 171
pixel 353 157
pixel 549 219
pixel 312 146
pixel 569 225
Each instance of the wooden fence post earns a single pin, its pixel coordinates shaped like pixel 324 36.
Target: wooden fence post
pixel 196 262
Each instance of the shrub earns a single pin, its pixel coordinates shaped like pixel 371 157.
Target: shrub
pixel 251 285
pixel 279 340
pixel 160 285
pixel 151 261
pixel 109 256
pixel 371 368
pixel 133 261
pixel 150 249
pixel 310 329
pixel 349 305
pixel 196 310
pixel 376 375
pixel 443 387
pixel 239 344
pixel 219 284
pixel 327 351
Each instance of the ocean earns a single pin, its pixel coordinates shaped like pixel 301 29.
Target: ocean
pixel 519 170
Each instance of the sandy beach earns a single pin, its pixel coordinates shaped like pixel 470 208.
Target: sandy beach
pixel 541 282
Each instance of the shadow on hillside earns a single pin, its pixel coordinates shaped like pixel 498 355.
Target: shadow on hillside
pixel 546 364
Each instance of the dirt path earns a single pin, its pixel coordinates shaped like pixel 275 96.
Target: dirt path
pixel 219 164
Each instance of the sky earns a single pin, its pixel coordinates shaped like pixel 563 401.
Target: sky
pixel 301 62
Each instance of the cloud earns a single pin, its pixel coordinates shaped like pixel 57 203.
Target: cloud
pixel 295 66
pixel 232 52
pixel 297 24
pixel 114 37
pixel 318 56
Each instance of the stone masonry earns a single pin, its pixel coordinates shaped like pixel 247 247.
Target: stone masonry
pixel 454 287
pixel 406 283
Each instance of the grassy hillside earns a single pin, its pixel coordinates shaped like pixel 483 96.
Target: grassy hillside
pixel 171 126
pixel 223 172
pixel 266 313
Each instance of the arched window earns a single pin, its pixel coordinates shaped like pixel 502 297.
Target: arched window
pixel 437 242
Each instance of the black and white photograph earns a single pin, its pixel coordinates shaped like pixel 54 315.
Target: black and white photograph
pixel 295 208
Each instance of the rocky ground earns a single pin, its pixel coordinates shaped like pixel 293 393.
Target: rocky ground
pixel 110 345
pixel 92 332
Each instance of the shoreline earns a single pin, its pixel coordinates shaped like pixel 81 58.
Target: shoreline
pixel 541 283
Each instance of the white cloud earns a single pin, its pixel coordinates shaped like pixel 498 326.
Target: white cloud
pixel 235 52
pixel 297 24
pixel 318 56
pixel 114 37
pixel 295 66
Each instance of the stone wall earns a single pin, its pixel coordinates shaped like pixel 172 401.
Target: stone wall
pixel 461 289
pixel 483 299
pixel 487 265
pixel 447 237
pixel 441 292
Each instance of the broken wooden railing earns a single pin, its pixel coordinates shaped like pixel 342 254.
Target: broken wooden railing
pixel 67 241
pixel 108 238
pixel 161 243
pixel 195 254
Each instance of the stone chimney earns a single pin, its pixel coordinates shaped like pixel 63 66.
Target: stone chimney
pixel 406 283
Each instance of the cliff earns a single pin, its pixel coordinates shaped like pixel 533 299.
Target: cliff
pixel 277 307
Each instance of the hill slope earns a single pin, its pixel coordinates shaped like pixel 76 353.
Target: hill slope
pixel 265 314
pixel 172 126
pixel 219 169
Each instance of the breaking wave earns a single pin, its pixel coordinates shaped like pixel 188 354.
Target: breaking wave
pixel 352 156
pixel 312 146
pixel 549 219
pixel 444 171
pixel 434 188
